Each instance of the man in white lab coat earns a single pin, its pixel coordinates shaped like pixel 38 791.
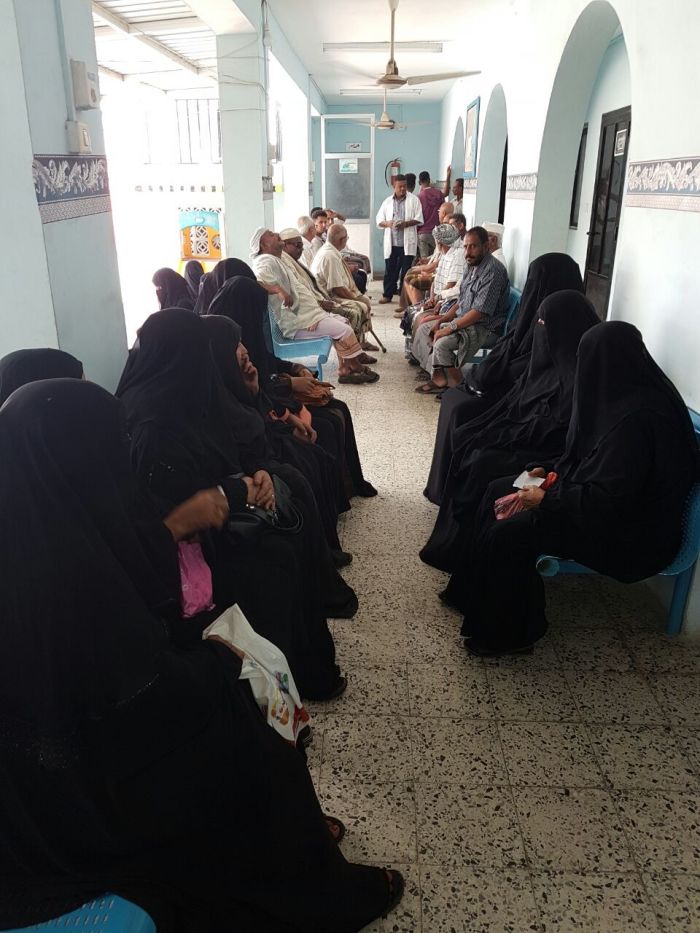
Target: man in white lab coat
pixel 399 216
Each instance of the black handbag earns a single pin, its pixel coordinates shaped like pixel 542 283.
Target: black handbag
pixel 253 521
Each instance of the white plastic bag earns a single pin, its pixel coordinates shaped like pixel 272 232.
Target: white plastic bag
pixel 266 667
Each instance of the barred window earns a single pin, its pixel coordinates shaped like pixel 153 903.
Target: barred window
pixel 199 130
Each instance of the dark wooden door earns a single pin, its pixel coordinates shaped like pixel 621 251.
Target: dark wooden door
pixel 607 203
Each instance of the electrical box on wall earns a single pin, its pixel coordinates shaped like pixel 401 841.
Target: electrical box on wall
pixel 86 90
pixel 78 138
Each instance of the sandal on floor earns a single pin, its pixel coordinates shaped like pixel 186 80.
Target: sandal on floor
pixel 366 358
pixel 306 736
pixel 358 379
pixel 428 388
pixel 396 885
pixel 422 376
pixel 333 823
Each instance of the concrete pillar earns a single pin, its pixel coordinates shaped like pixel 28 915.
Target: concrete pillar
pixel 244 137
pixel 64 286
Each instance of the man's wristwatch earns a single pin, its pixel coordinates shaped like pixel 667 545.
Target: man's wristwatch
pixel 453 326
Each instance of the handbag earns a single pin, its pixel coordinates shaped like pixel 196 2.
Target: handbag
pixel 195 579
pixel 253 520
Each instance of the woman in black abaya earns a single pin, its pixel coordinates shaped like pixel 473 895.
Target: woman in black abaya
pixel 487 383
pixel 127 765
pixel 172 290
pixel 178 448
pixel 212 281
pixel 245 302
pixel 530 423
pixel 194 270
pixel 23 366
pixel 631 460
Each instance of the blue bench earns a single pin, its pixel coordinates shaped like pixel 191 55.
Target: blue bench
pixel 319 347
pixel 513 307
pixel 109 913
pixel 681 567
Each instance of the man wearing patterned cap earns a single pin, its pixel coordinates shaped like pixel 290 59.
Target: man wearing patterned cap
pixel 495 232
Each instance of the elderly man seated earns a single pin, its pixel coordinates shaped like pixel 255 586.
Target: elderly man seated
pixel 300 317
pixel 495 232
pixel 443 292
pixel 460 222
pixel 419 278
pixel 333 275
pixel 307 230
pixel 477 317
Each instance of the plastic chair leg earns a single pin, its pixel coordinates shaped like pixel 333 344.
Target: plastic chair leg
pixel 319 367
pixel 681 588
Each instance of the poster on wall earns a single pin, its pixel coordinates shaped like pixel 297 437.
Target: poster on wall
pixel 200 236
pixel 347 166
pixel 471 138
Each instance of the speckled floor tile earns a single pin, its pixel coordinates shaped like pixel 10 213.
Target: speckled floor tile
pixel 406 918
pixel 689 744
pixel 659 653
pixel 521 695
pixel 435 647
pixel 633 606
pixel 368 641
pixel 543 658
pixel 379 690
pixel 366 748
pixel 676 899
pixel 549 754
pixel 457 752
pixel 461 900
pixel 464 825
pixel 591 649
pixel 610 903
pixel 576 602
pixel 663 828
pixel 643 757
pixel 571 830
pixel 454 692
pixel 679 697
pixel 380 819
pixel 624 697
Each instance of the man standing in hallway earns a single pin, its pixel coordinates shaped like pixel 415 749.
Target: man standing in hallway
pixel 457 190
pixel 399 216
pixel 430 201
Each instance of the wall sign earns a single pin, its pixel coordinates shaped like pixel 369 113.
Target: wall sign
pixel 620 140
pixel 347 166
pixel 199 234
pixel 471 138
pixel 353 147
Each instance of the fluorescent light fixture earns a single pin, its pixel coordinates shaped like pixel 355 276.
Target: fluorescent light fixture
pixel 383 47
pixel 371 91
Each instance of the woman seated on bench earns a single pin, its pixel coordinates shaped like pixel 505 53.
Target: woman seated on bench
pixel 127 765
pixel 631 460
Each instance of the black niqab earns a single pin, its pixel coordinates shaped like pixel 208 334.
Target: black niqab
pixel 245 301
pixel 224 270
pixel 172 289
pixel 194 270
pixel 23 366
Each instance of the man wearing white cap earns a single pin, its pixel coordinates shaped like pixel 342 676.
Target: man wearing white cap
pixel 333 275
pixel 299 316
pixel 495 232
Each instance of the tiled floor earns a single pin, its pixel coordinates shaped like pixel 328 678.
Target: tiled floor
pixel 552 793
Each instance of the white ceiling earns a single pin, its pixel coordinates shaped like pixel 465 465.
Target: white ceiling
pixel 445 21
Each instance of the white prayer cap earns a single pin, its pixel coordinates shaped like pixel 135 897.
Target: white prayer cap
pixel 290 233
pixel 255 241
pixel 494 228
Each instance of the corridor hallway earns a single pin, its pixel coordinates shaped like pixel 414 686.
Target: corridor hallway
pixel 556 792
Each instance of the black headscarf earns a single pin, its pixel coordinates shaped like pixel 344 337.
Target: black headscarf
pixel 507 361
pixel 224 270
pixel 23 366
pixel 245 301
pixel 615 377
pixel 76 581
pixel 194 270
pixel 172 290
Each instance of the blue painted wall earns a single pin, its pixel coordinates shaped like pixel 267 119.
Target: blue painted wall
pixel 417 147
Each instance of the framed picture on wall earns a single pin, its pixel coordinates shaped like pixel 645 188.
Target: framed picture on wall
pixel 471 138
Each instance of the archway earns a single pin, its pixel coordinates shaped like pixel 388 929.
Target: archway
pixel 491 158
pixel 568 105
pixel 457 161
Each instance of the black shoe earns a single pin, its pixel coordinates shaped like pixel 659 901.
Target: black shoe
pixel 306 736
pixel 346 611
pixel 341 558
pixel 444 598
pixel 366 490
pixel 478 652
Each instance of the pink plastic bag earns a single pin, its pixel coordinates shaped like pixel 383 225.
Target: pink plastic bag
pixel 195 579
pixel 510 505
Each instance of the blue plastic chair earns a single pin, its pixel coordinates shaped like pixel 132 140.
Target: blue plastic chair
pixel 513 307
pixel 319 347
pixel 110 913
pixel 681 567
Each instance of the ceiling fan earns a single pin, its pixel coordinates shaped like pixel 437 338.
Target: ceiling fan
pixel 391 77
pixel 385 122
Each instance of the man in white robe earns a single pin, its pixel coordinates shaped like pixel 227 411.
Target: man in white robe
pixel 334 277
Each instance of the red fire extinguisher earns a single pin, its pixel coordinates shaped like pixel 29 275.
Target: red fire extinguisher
pixel 391 170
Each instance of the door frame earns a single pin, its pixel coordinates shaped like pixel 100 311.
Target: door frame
pixel 326 154
pixel 606 119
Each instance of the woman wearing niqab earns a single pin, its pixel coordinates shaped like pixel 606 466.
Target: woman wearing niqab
pixel 212 281
pixel 529 423
pixel 172 290
pixel 194 270
pixel 487 382
pixel 127 765
pixel 630 462
pixel 23 366
pixel 179 448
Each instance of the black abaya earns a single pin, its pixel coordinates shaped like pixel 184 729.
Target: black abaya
pixel 179 447
pixel 172 289
pixel 212 281
pixel 23 366
pixel 127 765
pixel 529 423
pixel 630 462
pixel 487 383
pixel 194 270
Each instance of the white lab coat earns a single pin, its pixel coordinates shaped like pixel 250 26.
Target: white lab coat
pixel 413 211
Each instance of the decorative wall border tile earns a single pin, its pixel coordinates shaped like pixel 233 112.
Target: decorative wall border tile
pixel 522 186
pixel 470 184
pixel 69 186
pixel 668 184
pixel 51 211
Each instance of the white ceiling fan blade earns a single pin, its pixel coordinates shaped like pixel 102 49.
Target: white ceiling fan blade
pixel 427 79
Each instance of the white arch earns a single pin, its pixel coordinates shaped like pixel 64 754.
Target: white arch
pixel 492 147
pixel 458 143
pixel 566 114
